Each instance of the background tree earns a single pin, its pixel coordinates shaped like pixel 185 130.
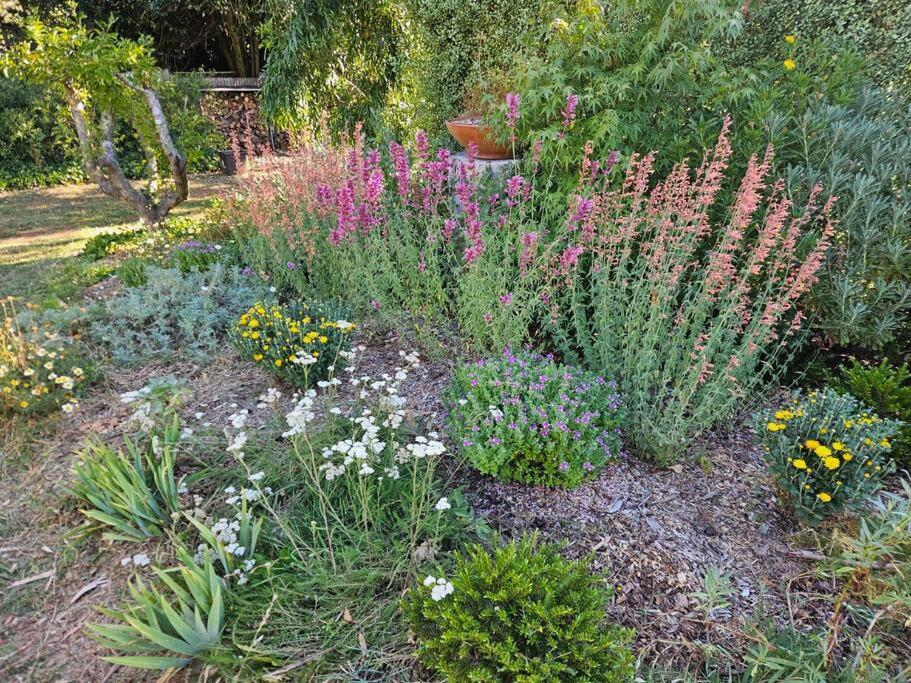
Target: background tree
pixel 334 56
pixel 102 78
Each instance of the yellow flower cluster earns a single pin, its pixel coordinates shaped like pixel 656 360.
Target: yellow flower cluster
pixel 295 342
pixel 824 449
pixel 36 377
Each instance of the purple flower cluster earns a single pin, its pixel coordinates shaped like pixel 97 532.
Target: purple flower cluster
pixel 197 247
pixel 525 417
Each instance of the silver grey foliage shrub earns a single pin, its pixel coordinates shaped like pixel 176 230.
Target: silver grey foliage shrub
pixel 861 154
pixel 174 314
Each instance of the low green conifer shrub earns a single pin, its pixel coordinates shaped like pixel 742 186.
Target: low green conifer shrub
pixel 518 613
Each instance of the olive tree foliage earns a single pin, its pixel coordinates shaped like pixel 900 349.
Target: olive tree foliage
pixel 102 78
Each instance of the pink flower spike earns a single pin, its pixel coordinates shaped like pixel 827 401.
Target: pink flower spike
pixel 512 108
pixel 569 111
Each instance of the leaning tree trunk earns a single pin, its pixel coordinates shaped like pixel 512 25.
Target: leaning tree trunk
pixel 99 158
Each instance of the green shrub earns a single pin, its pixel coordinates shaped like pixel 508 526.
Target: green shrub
pixel 105 243
pixel 332 60
pixel 518 613
pixel 648 76
pixel 526 418
pixel 878 28
pixel 36 147
pixel 135 494
pixel 195 255
pixel 827 451
pixel 174 313
pixel 887 390
pixel 455 49
pixel 860 153
pixel 182 618
pixel 298 343
pixel 132 272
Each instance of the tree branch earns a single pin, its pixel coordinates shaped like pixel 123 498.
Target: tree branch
pixel 83 132
pixel 120 186
pixel 176 161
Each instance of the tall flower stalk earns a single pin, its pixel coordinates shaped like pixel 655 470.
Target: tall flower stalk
pixel 692 315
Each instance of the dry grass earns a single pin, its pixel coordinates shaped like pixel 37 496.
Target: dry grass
pixel 40 230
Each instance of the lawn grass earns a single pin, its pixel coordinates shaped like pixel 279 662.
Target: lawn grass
pixel 43 230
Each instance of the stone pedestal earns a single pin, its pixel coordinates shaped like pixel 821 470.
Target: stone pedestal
pixel 493 167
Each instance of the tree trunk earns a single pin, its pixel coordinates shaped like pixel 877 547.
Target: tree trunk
pixel 99 158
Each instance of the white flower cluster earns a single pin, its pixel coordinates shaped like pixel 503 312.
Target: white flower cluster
pixel 268 397
pixel 360 450
pixel 441 587
pixel 239 419
pixel 225 531
pixel 137 560
pixel 249 495
pixel 384 411
pixel 300 415
pixel 241 572
pixel 422 448
pixel 142 416
pixel 443 504
pixel 237 441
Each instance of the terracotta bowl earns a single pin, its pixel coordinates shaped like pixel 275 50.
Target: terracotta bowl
pixel 466 131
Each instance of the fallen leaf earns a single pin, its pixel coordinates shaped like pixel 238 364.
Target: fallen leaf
pixel 31 579
pixel 346 617
pixel 615 506
pixel 90 586
pixel 362 641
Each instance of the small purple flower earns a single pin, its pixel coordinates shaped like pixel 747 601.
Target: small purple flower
pixel 506 299
pixel 587 466
pixel 291 265
pixel 564 466
pixel 375 304
pixel 488 318
pixel 612 159
pixel 247 271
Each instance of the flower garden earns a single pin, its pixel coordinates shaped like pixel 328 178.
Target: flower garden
pixel 630 404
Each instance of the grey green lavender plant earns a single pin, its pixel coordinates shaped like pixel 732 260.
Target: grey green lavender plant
pixel 861 153
pixel 174 313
